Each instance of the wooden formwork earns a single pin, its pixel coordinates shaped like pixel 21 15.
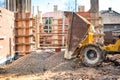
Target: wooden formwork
pixel 56 38
pixel 24 36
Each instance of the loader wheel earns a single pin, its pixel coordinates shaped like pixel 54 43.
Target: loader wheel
pixel 92 55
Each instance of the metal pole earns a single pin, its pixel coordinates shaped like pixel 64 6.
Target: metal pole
pixel 38 29
pixel 33 10
pixel 75 5
pixel 5 4
pixel 48 19
pixel 14 5
pixel 63 31
pixel 26 5
pixel 8 4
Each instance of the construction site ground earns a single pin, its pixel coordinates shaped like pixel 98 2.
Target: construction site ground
pixel 49 65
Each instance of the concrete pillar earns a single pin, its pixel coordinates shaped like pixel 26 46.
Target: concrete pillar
pixel 11 5
pixel 8 4
pixel 94 6
pixel 18 5
pixel 14 5
pixel 5 3
pixel 29 5
pixel 26 5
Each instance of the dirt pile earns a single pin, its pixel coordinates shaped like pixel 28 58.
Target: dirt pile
pixel 53 66
pixel 41 62
pixel 29 64
pixel 57 62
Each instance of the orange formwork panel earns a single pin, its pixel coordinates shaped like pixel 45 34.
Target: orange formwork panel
pixel 24 34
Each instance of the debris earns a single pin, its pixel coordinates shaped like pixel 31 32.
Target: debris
pixel 2 71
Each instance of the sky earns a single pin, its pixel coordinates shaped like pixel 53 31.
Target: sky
pixel 47 5
pixel 1 3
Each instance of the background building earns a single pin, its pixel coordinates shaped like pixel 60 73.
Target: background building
pixel 111 21
pixel 7 30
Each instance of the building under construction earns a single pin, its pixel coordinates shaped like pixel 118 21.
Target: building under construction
pixel 52 33
pixel 24 25
pixel 54 30
pixel 111 21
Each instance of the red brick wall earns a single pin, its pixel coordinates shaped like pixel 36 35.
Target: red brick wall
pixel 6 31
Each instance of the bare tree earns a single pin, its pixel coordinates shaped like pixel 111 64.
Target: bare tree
pixel 71 5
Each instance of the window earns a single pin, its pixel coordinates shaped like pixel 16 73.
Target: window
pixel 2 37
pixel 48 28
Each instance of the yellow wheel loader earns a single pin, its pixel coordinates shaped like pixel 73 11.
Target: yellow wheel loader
pixel 80 42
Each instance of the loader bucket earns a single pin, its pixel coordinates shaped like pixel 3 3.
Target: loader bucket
pixel 77 30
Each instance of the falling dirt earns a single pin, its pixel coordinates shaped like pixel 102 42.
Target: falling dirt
pixel 53 66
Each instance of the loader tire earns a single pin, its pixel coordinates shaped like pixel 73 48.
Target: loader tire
pixel 92 55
